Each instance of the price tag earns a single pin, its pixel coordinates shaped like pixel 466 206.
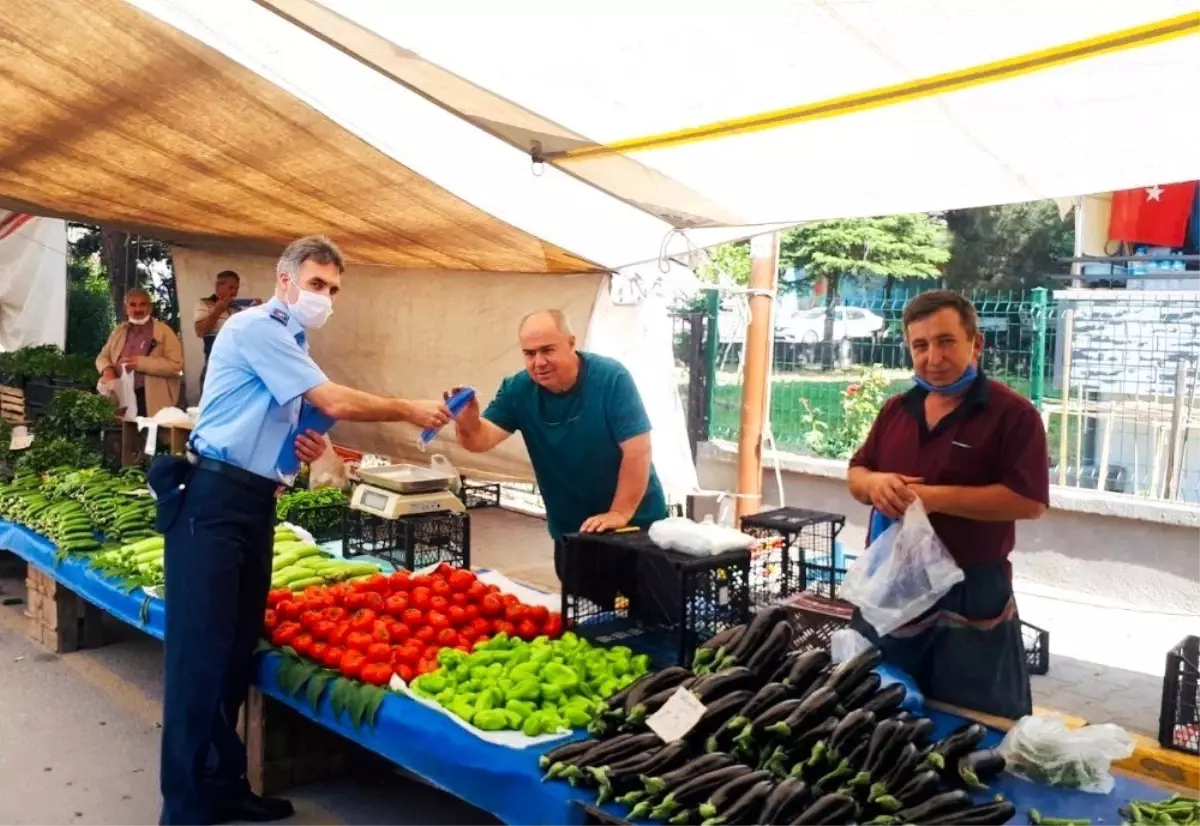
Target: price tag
pixel 677 716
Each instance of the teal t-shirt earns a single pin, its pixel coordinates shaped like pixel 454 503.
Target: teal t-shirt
pixel 574 440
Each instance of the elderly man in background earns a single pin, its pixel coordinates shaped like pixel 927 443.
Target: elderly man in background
pixel 585 428
pixel 149 349
pixel 212 312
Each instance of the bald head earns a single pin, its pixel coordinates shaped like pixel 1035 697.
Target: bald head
pixel 549 350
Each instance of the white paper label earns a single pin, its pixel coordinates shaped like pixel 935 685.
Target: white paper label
pixel 677 716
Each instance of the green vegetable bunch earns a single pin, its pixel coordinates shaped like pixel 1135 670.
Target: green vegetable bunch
pixel 540 687
pixel 76 414
pixel 309 509
pixel 46 361
pixel 48 454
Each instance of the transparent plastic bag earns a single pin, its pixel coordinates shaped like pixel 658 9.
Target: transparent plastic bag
pixel 1044 750
pixel 122 391
pixel 902 574
pixel 705 538
pixel 846 643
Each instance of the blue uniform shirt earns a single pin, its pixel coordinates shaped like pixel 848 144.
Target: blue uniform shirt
pixel 257 373
pixel 574 440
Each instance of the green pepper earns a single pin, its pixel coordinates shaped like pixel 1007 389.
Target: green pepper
pixel 569 641
pixel 549 705
pixel 623 652
pixel 450 657
pixel 608 688
pixel 639 664
pixel 541 641
pixel 500 642
pixel 552 722
pixel 505 684
pixel 479 672
pixel 587 690
pixel 430 684
pixel 531 726
pixel 490 720
pixel 463 710
pixel 559 675
pixel 446 696
pixel 462 672
pixel 495 670
pixel 579 701
pixel 484 701
pixel 551 692
pixel 520 707
pixel 525 669
pixel 576 717
pixel 619 667
pixel 514 719
pixel 527 689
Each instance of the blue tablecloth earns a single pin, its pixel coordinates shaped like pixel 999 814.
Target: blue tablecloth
pixel 505 782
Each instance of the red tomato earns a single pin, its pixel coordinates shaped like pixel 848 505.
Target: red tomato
pixel 460 580
pixel 422 581
pixel 424 634
pixel 302 644
pixel 438 620
pixel 477 591
pixel 358 640
pixel 338 637
pixel 504 627
pixel 472 612
pixel 420 598
pixel 352 664
pixel 509 599
pixel 413 617
pixel 431 652
pixel 339 592
pixel 324 629
pixel 444 569
pixel 360 586
pixel 491 606
pixel 482 627
pixel 396 605
pixel 469 634
pixel 399 632
pixel 459 599
pixel 333 656
pixel 379 652
pixel 355 601
pixel 317 652
pixel 440 588
pixel 377 673
pixel 425 667
pixel 289 609
pixel 318 596
pixel 457 616
pixel 400 581
pixel 406 655
pixel 538 613
pixel 380 633
pixel 270 621
pixel 379 583
pixel 493 589
pixel 447 637
pixel 553 627
pixel 526 630
pixel 466 649
pixel 285 633
pixel 374 601
pixel 363 619
pixel 310 618
pixel 276 596
pixel 514 613
pixel 334 613
pixel 406 673
pixel 439 604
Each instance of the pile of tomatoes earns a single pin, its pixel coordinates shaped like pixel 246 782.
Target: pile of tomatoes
pixel 384 625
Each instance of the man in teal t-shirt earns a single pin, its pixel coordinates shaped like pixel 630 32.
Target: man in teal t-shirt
pixel 585 428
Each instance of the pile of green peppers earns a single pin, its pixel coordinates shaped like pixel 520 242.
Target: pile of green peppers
pixel 540 687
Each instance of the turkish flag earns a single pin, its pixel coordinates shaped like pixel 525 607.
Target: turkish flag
pixel 1153 215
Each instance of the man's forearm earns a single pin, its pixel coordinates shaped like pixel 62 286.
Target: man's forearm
pixel 204 326
pixel 989 503
pixel 633 478
pixel 856 481
pixel 350 405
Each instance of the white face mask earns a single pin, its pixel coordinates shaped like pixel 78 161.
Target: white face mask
pixel 140 321
pixel 311 309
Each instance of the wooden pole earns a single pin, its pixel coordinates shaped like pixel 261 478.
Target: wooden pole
pixel 764 257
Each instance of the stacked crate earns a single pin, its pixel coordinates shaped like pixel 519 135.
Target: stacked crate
pixel 58 619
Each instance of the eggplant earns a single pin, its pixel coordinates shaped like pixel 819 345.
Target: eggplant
pixel 936 806
pixel 764 698
pixel 882 744
pixel 904 763
pixel 919 731
pixel 962 741
pixel 565 752
pixel 786 801
pixel 716 714
pixel 831 808
pixel 996 812
pixel 611 751
pixel 655 683
pixel 803 744
pixel 850 673
pixel 636 716
pixel 695 791
pixel 806 667
pixel 818 682
pixel 850 726
pixel 747 808
pixel 887 700
pixel 756 727
pixel 757 631
pixel 977 768
pixel 601 749
pixel 846 767
pixel 705 763
pixel 723 638
pixel 763 660
pixel 727 795
pixel 858 696
pixel 716 650
pixel 714 686
pixel 616 702
pixel 919 788
pixel 819 705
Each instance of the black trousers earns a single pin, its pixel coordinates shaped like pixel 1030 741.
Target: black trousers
pixel 218 571
pixel 962 655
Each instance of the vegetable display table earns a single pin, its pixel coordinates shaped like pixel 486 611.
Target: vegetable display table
pixel 500 780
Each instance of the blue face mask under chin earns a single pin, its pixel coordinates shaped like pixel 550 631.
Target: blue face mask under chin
pixel 955 387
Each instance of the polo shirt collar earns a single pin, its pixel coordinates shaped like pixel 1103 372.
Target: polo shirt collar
pixel 975 398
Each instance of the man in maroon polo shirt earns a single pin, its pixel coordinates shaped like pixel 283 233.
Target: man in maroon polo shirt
pixel 974 452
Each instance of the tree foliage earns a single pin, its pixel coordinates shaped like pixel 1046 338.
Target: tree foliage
pixel 1010 247
pixel 728 261
pixel 127 261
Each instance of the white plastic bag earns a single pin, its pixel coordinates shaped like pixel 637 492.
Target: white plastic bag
pixel 328 471
pixel 706 538
pixel 905 571
pixel 122 391
pixel 846 643
pixel 1044 750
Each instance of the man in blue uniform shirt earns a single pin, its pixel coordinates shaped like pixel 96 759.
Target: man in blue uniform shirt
pixel 218 512
pixel 585 428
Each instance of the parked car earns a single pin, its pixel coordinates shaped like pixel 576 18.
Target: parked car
pixel 808 326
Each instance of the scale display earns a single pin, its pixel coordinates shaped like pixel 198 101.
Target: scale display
pixel 392 505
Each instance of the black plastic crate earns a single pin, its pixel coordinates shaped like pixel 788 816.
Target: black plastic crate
pixel 1037 648
pixel 480 494
pixel 411 542
pixel 798 553
pixel 325 522
pixel 622 589
pixel 1179 719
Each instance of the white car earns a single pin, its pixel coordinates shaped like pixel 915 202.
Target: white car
pixel 808 326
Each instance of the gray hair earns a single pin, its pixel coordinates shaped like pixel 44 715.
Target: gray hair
pixel 136 292
pixel 316 248
pixel 557 316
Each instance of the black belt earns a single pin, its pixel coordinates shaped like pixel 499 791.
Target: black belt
pixel 256 483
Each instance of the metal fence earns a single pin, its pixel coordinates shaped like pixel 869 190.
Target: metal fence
pixel 1114 373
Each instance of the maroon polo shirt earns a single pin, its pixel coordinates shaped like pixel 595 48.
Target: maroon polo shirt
pixel 995 436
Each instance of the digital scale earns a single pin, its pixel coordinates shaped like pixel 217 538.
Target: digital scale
pixel 396 491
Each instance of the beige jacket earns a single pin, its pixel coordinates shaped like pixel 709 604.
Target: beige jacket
pixel 163 368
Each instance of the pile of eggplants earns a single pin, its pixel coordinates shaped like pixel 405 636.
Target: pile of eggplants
pixel 786 737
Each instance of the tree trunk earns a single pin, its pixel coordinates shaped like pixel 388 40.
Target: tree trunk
pixel 120 266
pixel 828 345
pixel 888 286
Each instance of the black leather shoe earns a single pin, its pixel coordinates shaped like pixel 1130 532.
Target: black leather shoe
pixel 251 808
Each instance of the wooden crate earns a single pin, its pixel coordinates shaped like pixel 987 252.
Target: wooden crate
pixel 286 749
pixel 12 405
pixel 58 619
